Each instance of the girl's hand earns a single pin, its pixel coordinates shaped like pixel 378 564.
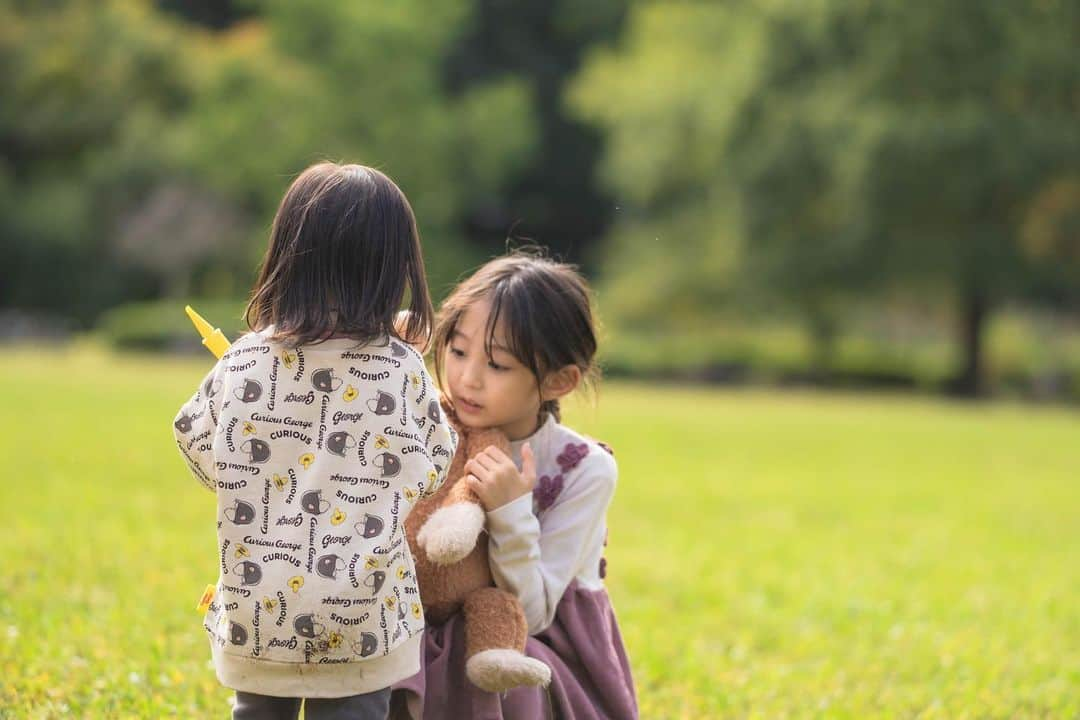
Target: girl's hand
pixel 493 476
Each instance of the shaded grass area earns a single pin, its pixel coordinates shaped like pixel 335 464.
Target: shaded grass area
pixel 1027 356
pixel 771 555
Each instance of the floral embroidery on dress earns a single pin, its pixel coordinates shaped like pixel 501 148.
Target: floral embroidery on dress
pixel 572 455
pixel 547 490
pixel 603 560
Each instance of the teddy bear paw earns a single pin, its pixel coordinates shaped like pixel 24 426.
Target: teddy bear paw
pixel 450 533
pixel 500 669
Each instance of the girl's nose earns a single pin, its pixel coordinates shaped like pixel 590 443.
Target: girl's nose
pixel 471 375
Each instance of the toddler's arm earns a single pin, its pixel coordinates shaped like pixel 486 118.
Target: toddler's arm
pixel 536 559
pixel 195 426
pixel 441 446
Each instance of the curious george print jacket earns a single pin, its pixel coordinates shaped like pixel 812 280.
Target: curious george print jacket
pixel 316 455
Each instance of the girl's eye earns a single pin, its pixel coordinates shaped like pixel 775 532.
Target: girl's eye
pixel 495 366
pixel 457 353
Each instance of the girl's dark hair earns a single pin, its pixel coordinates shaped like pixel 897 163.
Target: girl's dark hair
pixel 344 251
pixel 545 308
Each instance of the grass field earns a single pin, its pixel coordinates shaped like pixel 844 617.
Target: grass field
pixel 770 555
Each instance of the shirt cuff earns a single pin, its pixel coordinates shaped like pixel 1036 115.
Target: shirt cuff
pixel 506 517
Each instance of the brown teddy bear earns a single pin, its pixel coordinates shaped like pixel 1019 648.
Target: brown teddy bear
pixel 452 571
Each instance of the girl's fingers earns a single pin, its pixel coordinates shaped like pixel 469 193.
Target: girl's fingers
pixel 497 455
pixel 472 483
pixel 502 461
pixel 528 465
pixel 477 470
pixel 484 460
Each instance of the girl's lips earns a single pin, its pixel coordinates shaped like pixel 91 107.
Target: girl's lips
pixel 468 406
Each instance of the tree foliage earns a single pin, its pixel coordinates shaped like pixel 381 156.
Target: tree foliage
pixel 118 120
pixel 833 150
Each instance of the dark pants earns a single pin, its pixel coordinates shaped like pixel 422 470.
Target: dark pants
pixel 372 706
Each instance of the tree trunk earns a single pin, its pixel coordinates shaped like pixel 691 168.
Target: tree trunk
pixel 974 313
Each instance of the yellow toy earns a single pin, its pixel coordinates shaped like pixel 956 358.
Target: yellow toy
pixel 214 340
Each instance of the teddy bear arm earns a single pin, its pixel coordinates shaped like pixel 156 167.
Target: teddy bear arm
pixel 494 619
pixel 452 531
pixel 461 493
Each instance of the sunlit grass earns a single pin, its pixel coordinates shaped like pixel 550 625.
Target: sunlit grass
pixel 770 555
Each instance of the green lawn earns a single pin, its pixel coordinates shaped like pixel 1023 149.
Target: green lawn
pixel 770 555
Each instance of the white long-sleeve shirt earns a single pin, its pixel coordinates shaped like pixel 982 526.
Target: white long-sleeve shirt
pixel 544 540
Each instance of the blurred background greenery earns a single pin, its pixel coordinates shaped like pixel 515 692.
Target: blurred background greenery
pixel 837 192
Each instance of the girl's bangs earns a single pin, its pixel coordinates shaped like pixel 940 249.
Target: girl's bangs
pixel 518 339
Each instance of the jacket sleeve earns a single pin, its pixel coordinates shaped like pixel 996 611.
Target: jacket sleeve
pixel 195 427
pixel 441 445
pixel 536 559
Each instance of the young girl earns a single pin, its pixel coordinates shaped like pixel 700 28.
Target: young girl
pixel 314 430
pixel 509 342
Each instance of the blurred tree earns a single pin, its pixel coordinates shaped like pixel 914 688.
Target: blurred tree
pixel 977 110
pixel 87 87
pixel 175 229
pixel 1050 241
pixel 216 14
pixel 852 145
pixel 358 83
pixel 553 198
pixel 155 151
pixel 667 99
pixel 536 46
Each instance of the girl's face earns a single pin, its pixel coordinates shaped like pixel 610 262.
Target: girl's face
pixel 496 391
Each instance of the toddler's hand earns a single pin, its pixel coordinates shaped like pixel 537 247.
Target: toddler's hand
pixel 494 478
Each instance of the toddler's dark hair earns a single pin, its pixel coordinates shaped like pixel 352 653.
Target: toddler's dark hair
pixel 344 250
pixel 545 308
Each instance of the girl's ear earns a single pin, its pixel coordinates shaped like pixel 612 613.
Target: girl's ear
pixel 560 382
